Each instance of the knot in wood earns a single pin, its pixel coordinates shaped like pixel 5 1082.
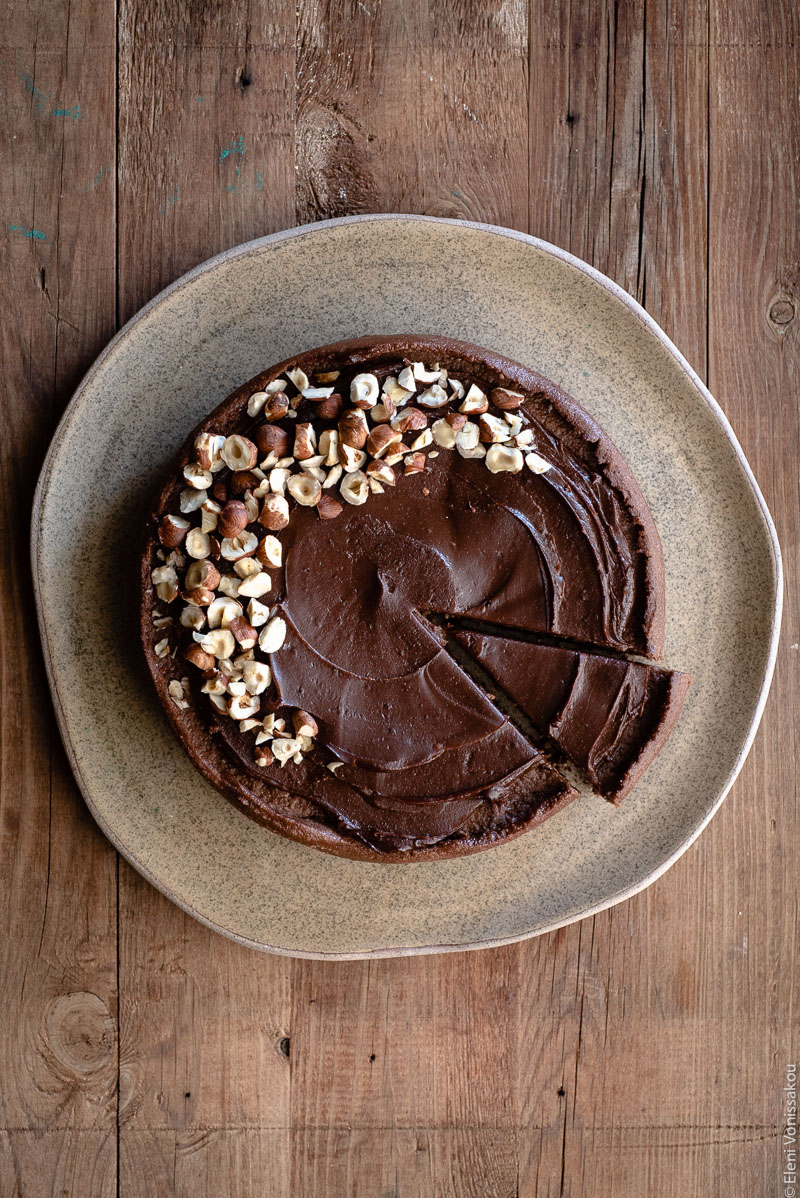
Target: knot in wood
pixel 782 312
pixel 80 1033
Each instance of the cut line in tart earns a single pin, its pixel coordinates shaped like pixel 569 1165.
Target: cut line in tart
pixel 607 715
pixel 314 530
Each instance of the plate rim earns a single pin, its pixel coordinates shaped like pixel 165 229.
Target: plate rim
pixel 651 325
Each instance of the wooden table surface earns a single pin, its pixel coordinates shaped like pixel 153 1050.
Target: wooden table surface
pixel 640 1052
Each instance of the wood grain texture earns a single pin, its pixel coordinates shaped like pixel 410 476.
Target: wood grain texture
pixel 58 984
pixel 642 1051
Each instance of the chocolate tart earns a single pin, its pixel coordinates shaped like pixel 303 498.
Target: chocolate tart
pixel 292 611
pixel 609 716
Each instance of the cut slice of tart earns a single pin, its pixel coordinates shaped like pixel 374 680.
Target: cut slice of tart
pixel 610 717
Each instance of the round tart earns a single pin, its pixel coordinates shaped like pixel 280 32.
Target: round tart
pixel 344 538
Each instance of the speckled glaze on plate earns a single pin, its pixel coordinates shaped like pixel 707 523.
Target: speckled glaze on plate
pixel 259 303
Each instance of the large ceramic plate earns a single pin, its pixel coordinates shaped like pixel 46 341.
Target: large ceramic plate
pixel 262 302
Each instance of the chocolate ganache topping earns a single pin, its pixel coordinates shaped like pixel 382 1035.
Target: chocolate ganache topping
pixel 368 494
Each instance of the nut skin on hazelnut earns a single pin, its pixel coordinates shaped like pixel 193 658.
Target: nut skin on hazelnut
pixel 305 442
pixel 353 428
pixel 202 574
pixel 381 437
pixel 172 530
pixel 304 724
pixel 245 634
pixel 506 401
pixel 330 408
pixel 220 492
pixel 199 596
pixel 276 407
pixel 409 420
pixel 414 463
pixel 274 513
pixel 382 472
pixel 198 657
pixel 269 552
pixel 233 518
pixel 456 420
pixel 243 480
pixel 271 439
pixel 328 507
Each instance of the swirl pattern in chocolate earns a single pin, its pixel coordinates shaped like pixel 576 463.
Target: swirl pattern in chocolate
pixel 407 757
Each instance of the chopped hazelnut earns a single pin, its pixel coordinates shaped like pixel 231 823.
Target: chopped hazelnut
pixel 193 617
pixel 304 489
pixel 492 429
pixel 165 580
pixel 504 457
pixel 329 446
pixel 255 586
pixel 239 453
pixel 379 440
pixel 276 407
pixel 330 408
pixel 270 551
pixel 274 512
pixel 272 635
pixel 198 657
pixel 222 611
pixel 424 439
pixel 219 643
pixel 425 375
pixel 506 401
pixel 191 500
pixel 197 478
pixel 409 420
pixel 355 488
pixel 536 464
pixel 328 508
pixel 414 463
pixel 351 459
pixel 172 530
pixel 304 724
pixel 364 391
pixel 242 707
pixel 474 402
pixel 434 397
pixel 257 676
pixel 233 518
pixel 305 441
pixel 335 473
pixel 198 543
pixel 257 613
pixel 381 472
pixel 353 429
pixel 443 434
pixel 272 439
pixel 242 545
pixel 298 377
pixel 246 636
pixel 208 447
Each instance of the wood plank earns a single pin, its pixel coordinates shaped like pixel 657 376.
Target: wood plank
pixel 414 107
pixel 206 122
pixel 206 108
pixel 58 941
pixel 53 1164
pixel 408 1043
pixel 754 358
pixel 402 1161
pixel 187 1164
pixel 202 1023
pixel 618 176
